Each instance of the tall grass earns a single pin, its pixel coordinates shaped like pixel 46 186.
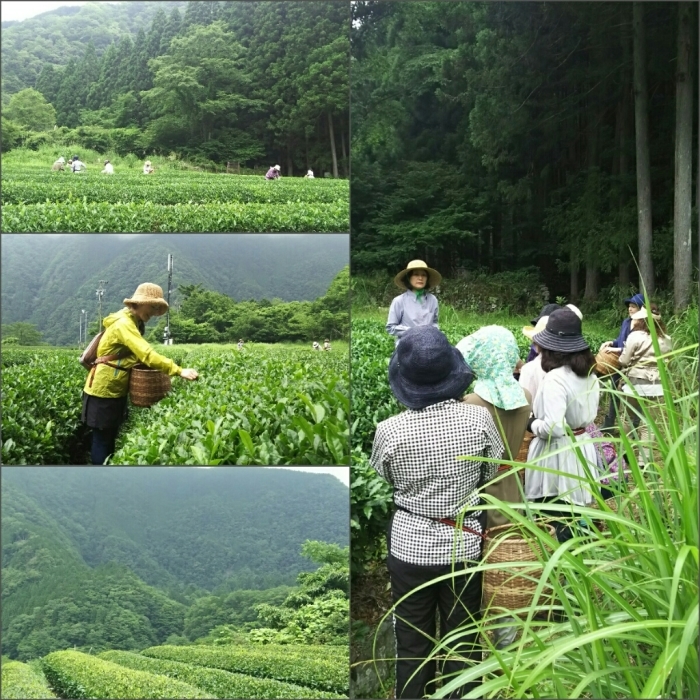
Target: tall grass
pixel 626 594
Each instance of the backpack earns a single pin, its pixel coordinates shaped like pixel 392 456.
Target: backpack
pixel 89 358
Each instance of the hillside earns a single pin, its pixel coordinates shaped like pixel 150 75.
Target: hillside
pixel 116 556
pixel 47 279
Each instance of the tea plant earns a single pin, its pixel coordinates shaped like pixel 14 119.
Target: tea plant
pixel 21 682
pixel 73 674
pixel 268 661
pixel 222 684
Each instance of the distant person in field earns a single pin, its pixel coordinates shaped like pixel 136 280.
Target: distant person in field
pixel 416 306
pixel 148 168
pixel 326 344
pixel 316 346
pixel 121 347
pixel 77 165
pixel 273 173
pixel 59 164
pixel 310 174
pixel 240 344
pixel 108 169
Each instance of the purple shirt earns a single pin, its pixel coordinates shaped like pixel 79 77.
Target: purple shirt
pixel 272 174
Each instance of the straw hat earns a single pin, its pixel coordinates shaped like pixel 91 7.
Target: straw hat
pixel 434 277
pixel 529 331
pixel 149 293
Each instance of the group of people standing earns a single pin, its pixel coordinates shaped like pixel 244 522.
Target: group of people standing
pixel 76 165
pixel 424 451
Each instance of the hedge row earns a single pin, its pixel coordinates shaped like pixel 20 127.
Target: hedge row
pixel 21 682
pixel 73 674
pixel 269 661
pixel 221 684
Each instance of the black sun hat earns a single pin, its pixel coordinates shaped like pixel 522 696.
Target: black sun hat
pixel 562 333
pixel 546 310
pixel 425 369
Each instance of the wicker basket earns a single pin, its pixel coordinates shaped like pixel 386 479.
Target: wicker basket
pixel 524 447
pixel 631 511
pixel 148 386
pixel 504 588
pixel 607 362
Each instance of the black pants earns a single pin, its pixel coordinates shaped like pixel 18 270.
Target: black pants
pixel 614 406
pixel 459 601
pixel 104 416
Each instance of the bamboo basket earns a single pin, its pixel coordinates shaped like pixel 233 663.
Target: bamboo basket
pixel 504 588
pixel 607 362
pixel 522 454
pixel 148 386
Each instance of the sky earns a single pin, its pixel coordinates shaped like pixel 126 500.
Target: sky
pixel 24 10
pixel 342 473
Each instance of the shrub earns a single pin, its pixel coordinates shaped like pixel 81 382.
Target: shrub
pixel 21 682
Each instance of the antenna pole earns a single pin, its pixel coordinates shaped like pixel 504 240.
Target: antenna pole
pixel 167 333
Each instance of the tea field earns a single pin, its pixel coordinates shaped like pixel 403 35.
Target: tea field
pixel 37 200
pixel 270 671
pixel 264 404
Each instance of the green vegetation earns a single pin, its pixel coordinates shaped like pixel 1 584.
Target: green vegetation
pixel 20 682
pixel 224 287
pixel 254 84
pixel 77 675
pixel 169 201
pixel 221 684
pixel 268 661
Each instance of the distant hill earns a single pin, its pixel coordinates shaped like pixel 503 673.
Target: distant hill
pixel 47 280
pixel 61 34
pixel 82 546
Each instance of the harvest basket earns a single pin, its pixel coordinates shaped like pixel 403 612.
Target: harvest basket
pixel 631 511
pixel 524 447
pixel 606 363
pixel 505 588
pixel 148 386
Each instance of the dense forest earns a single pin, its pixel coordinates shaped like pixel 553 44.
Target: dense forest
pixel 123 558
pixel 250 82
pixel 47 280
pixel 501 136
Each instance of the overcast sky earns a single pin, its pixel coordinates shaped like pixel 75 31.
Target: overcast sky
pixel 23 10
pixel 342 473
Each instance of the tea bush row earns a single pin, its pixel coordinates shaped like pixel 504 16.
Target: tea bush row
pixel 268 661
pixel 82 216
pixel 73 674
pixel 20 682
pixel 222 684
pixel 41 407
pixel 29 186
pixel 257 406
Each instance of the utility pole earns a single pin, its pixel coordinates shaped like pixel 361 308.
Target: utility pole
pixel 167 339
pixel 100 293
pixel 83 328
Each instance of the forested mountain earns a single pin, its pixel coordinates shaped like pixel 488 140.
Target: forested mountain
pixel 47 280
pixel 501 135
pixel 117 556
pixel 255 82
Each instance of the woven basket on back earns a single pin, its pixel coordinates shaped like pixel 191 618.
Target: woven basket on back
pixel 504 588
pixel 148 386
pixel 631 511
pixel 607 362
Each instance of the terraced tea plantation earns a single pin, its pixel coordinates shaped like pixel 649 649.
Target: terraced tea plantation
pixel 270 671
pixel 38 200
pixel 260 405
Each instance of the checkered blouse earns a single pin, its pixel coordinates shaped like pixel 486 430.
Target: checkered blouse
pixel 416 452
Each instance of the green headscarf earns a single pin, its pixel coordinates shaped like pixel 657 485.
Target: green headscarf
pixel 492 353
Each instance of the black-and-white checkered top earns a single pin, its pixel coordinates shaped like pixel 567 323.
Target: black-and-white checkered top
pixel 417 453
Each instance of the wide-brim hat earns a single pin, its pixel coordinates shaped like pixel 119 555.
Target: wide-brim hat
pixel 562 333
pixel 149 293
pixel 529 331
pixel 434 277
pixel 277 167
pixel 425 369
pixel 643 313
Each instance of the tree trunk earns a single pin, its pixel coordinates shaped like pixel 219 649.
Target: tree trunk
pixel 333 153
pixel 344 152
pixel 573 276
pixel 641 121
pixel 682 186
pixel 623 280
pixel 591 291
pixel 290 166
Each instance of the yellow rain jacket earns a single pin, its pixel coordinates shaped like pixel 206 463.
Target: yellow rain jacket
pixel 122 338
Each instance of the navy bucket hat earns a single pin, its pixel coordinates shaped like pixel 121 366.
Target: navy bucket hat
pixel 637 299
pixel 425 369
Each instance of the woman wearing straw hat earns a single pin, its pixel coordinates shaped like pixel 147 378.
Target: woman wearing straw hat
pixel 121 347
pixel 416 306
pixel 566 402
pixel 419 452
